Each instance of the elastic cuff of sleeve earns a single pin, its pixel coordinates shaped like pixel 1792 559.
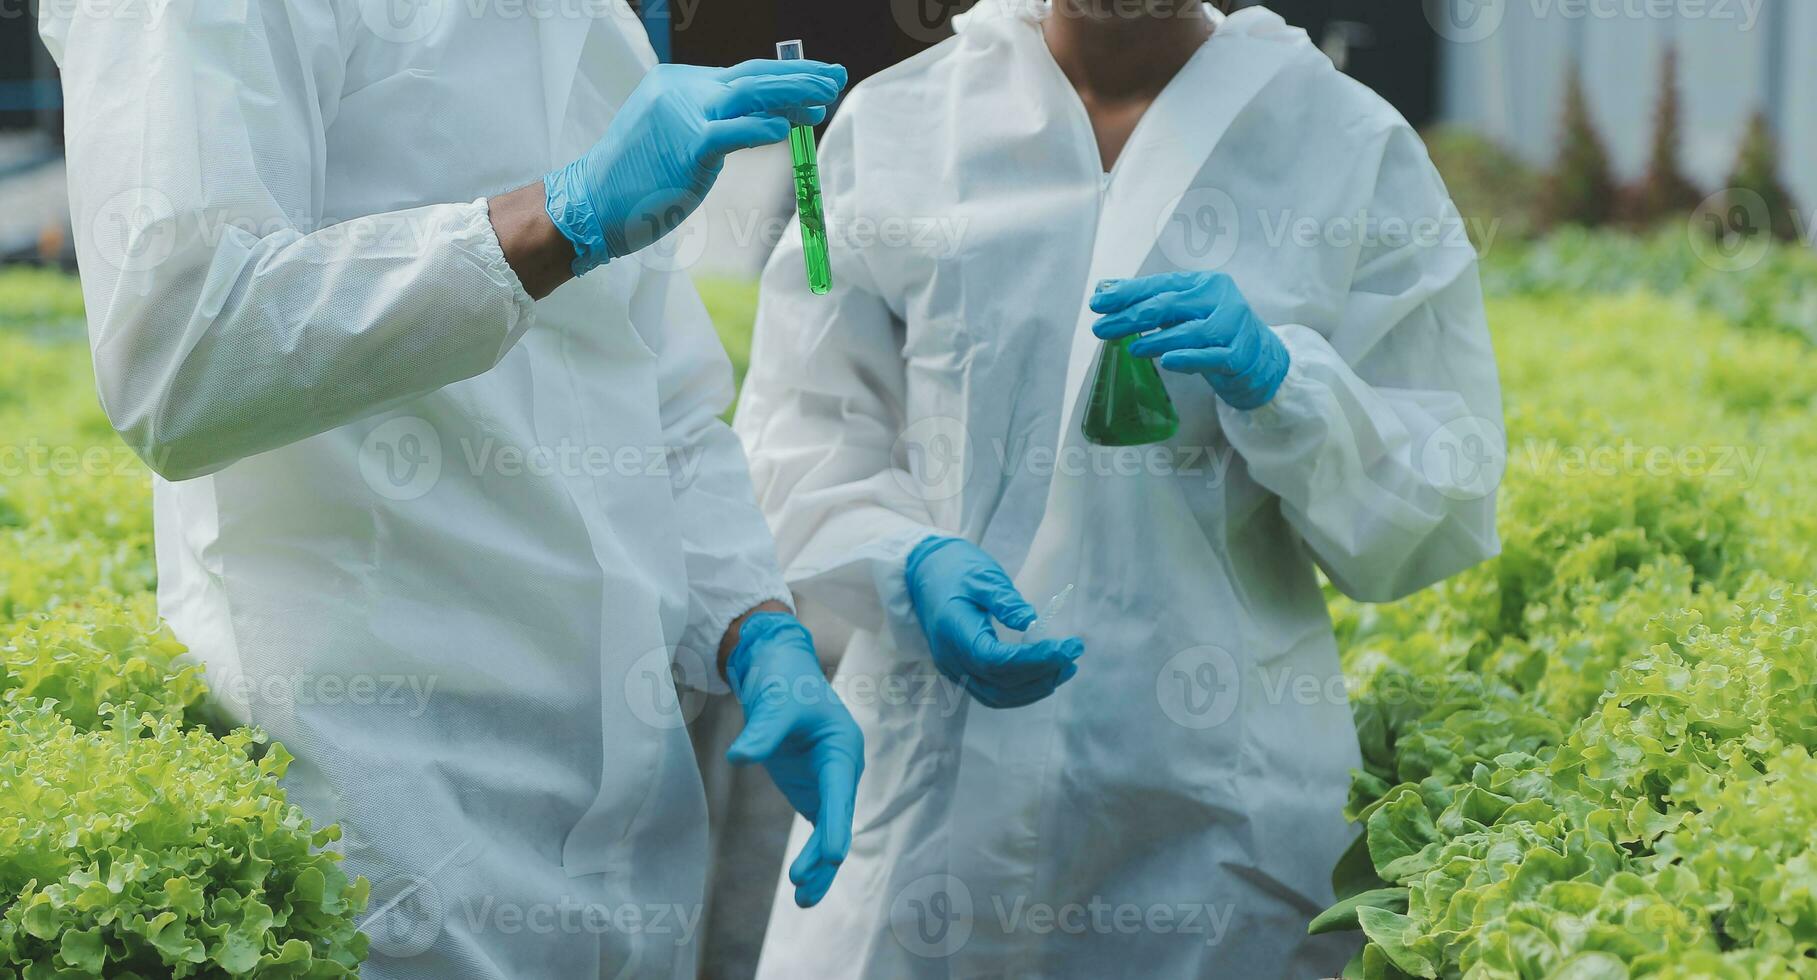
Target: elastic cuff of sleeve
pixel 889 579
pixel 478 229
pixel 1279 410
pixel 708 631
pixel 928 546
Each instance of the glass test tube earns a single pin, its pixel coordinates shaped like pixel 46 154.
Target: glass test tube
pixel 807 193
pixel 1044 623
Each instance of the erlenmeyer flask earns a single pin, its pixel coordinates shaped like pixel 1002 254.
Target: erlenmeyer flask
pixel 1128 404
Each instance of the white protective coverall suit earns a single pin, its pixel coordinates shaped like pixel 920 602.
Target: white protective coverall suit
pixel 440 541
pixel 1174 810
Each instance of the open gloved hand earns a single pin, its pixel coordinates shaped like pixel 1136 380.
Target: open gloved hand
pixel 664 149
pixel 1202 325
pixel 956 589
pixel 796 726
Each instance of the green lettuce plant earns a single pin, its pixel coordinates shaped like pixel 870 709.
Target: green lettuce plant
pixel 1591 757
pixel 147 850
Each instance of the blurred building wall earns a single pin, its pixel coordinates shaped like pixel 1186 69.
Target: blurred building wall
pixel 29 95
pixel 865 37
pixel 1386 45
pixel 1503 75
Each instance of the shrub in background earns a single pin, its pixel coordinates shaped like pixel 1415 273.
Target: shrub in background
pixel 1664 193
pixel 1757 171
pixel 1581 189
pixel 1494 190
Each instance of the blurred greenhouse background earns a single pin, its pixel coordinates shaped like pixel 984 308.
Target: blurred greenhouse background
pixel 1736 59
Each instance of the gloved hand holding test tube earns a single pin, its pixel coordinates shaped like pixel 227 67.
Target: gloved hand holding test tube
pixel 807 192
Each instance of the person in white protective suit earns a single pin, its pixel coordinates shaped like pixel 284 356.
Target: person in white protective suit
pixel 1279 238
pixel 443 517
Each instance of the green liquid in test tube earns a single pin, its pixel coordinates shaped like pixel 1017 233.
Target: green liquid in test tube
pixel 807 193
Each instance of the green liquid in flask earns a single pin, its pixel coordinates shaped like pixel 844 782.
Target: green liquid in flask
pixel 1128 404
pixel 807 193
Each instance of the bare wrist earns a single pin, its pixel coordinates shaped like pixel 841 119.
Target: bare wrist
pixel 536 250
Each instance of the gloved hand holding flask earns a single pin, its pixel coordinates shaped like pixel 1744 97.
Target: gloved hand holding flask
pixel 1202 325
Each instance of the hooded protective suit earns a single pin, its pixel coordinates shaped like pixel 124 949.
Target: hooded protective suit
pixel 445 544
pixel 1174 810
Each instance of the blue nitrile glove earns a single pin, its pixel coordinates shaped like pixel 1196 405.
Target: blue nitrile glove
pixel 956 589
pixel 664 148
pixel 797 727
pixel 1205 327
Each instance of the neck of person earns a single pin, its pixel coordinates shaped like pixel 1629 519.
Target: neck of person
pixel 1124 50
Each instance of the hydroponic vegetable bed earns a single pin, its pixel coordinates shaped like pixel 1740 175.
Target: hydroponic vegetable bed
pixel 1589 758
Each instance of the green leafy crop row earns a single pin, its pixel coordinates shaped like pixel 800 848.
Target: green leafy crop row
pixel 1756 282
pixel 148 850
pixel 1592 757
pixel 134 841
pixel 1589 758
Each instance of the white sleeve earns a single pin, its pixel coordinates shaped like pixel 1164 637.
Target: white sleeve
pixel 1385 442
pixel 730 556
pixel 225 320
pixel 821 414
